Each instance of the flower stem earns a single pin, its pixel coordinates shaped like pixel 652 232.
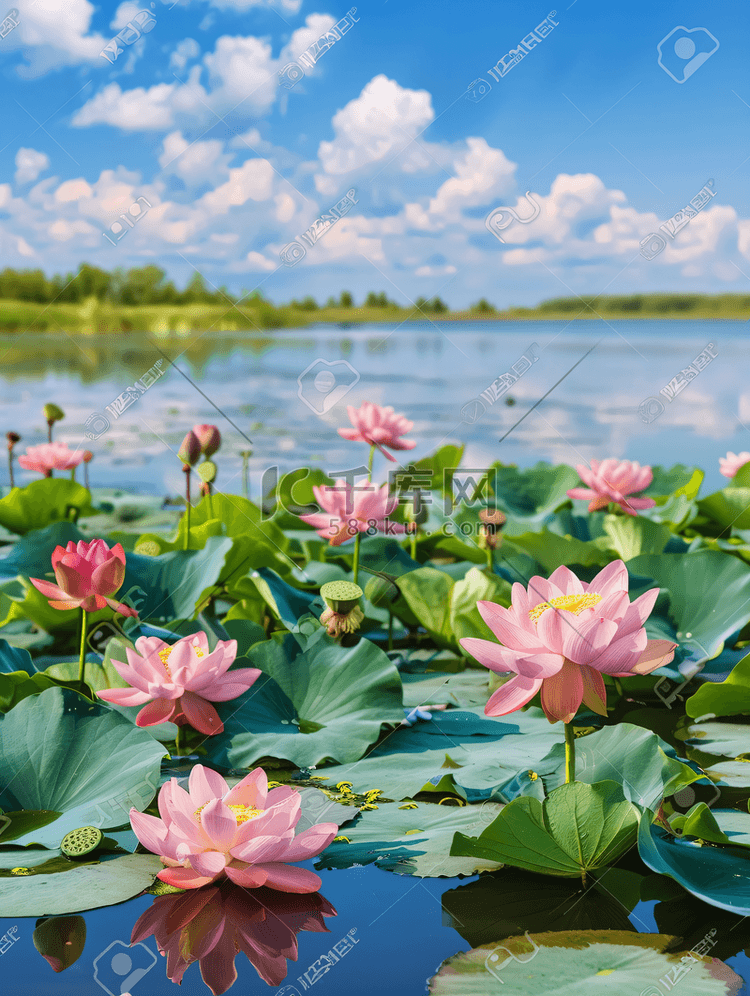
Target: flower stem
pixel 186 468
pixel 82 656
pixel 10 467
pixel 414 542
pixel 370 461
pixel 490 567
pixel 570 753
pixel 390 630
pixel 355 565
pixel 177 742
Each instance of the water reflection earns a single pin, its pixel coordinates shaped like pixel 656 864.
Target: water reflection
pixel 213 924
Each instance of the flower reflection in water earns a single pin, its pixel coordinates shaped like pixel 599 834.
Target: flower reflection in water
pixel 213 924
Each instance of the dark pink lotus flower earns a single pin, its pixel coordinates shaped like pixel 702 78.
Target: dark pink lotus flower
pixel 562 635
pixel 612 481
pixel 46 457
pixel 212 925
pixel 180 682
pixel 378 427
pixel 245 834
pixel 88 575
pixel 731 463
pixel 348 510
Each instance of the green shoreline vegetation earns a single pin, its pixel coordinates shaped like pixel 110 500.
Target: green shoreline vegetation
pixel 143 300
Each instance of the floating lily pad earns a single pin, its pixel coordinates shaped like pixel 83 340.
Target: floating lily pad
pixel 727 698
pixel 412 841
pixel 533 493
pixel 82 887
pixel 325 701
pixel 62 753
pixel 580 963
pixel 576 829
pixel 43 502
pixel 720 876
pixel 469 688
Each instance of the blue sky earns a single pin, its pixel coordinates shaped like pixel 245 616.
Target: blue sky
pixel 235 166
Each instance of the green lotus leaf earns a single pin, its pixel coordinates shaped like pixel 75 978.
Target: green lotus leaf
pixel 60 752
pixel 323 701
pixel 551 551
pixel 716 826
pixel 641 762
pixel 532 494
pixel 427 593
pixel 464 614
pixel 720 876
pixel 433 471
pixel 42 502
pixel 458 751
pixel 727 698
pixel 730 507
pixel 411 841
pixel 678 479
pixel 469 688
pixel 174 584
pixel 709 596
pixel 575 830
pixel 630 537
pixel 31 556
pixel 18 685
pixel 81 887
pixel 581 963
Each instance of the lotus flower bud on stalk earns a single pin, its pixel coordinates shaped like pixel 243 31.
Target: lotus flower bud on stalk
pixel 12 438
pixel 53 414
pixel 343 614
pixel 188 452
pixel 209 439
pixel 207 473
pixel 493 521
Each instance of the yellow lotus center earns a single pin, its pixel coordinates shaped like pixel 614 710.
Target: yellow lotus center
pixel 164 656
pixel 241 813
pixel 571 603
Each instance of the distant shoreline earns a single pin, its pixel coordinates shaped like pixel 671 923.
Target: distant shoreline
pixel 94 316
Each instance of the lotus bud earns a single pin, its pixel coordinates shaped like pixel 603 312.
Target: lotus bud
pixel 53 414
pixel 209 439
pixel 493 521
pixel 382 591
pixel 88 456
pixel 207 471
pixel 60 940
pixel 190 450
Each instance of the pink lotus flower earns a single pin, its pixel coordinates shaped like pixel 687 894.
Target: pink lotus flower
pixel 209 439
pixel 562 635
pixel 350 510
pixel 46 457
pixel 731 463
pixel 612 481
pixel 245 834
pixel 87 574
pixel 180 682
pixel 378 427
pixel 212 925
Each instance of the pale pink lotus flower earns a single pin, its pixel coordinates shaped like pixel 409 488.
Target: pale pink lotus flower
pixel 46 457
pixel 246 834
pixel 348 510
pixel 562 635
pixel 212 925
pixel 612 481
pixel 88 575
pixel 731 463
pixel 209 439
pixel 180 682
pixel 379 427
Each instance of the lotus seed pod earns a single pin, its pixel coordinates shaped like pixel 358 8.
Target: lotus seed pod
pixel 190 449
pixel 78 843
pixel 207 471
pixel 341 596
pixel 209 439
pixel 12 438
pixel 53 414
pixel 148 548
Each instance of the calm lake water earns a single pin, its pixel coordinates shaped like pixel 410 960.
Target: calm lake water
pixel 247 384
